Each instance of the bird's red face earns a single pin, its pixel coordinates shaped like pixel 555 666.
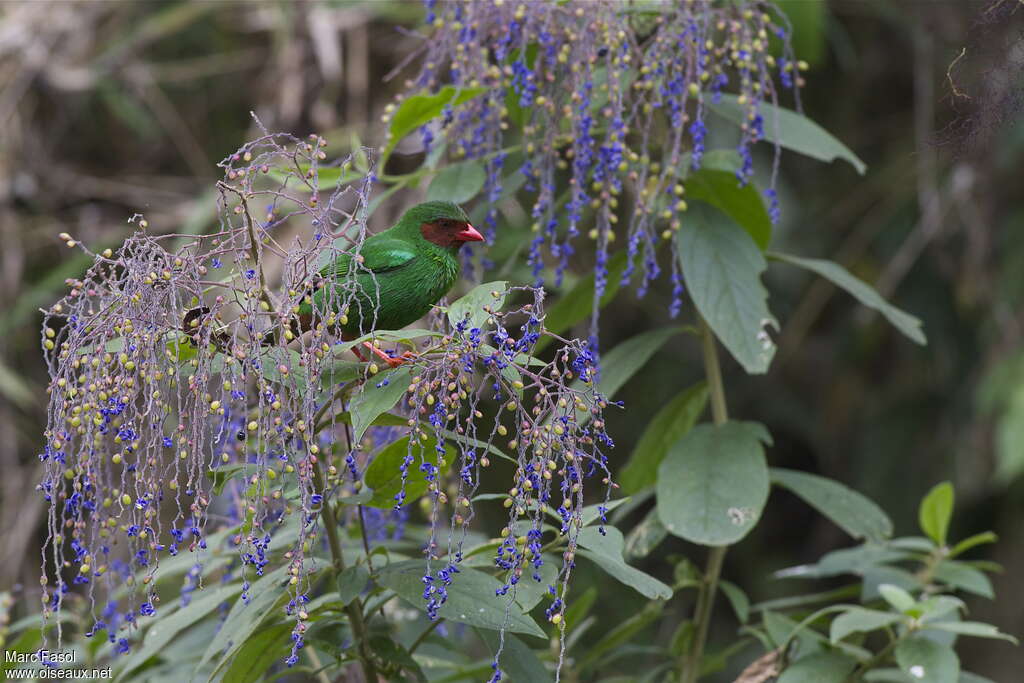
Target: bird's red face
pixel 447 232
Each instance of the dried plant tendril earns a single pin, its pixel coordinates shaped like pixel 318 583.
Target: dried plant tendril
pixel 193 412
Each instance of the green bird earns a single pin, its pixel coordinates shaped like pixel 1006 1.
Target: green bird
pixel 397 276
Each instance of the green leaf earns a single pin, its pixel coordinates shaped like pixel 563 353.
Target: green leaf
pixel 668 425
pixel 897 597
pixel 166 627
pixel 420 109
pixel 819 667
pixel 351 583
pixel 853 512
pixel 938 607
pixel 220 476
pixel 620 634
pixel 529 592
pixel 860 620
pixel 965 577
pixel 266 647
pixel 873 578
pixel 645 536
pixel 622 362
pixel 245 617
pixel 791 130
pixel 471 597
pixel 387 649
pixel 722 267
pixel 971 628
pixel 578 303
pixel 861 291
pixel 457 183
pixel 384 475
pixel 935 512
pixel 925 660
pixel 379 394
pixel 737 598
pixel 325 178
pixel 591 513
pixel 972 541
pixel 14 388
pixel 968 677
pixel 742 203
pixel 473 305
pixel 713 484
pixel 809 22
pixel 518 662
pixel 606 552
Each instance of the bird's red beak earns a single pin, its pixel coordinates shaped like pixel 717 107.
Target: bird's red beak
pixel 469 234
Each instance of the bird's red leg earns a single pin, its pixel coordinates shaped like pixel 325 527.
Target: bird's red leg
pixel 392 362
pixel 355 349
pixel 359 354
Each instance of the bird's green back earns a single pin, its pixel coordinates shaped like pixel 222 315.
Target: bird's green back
pixel 396 279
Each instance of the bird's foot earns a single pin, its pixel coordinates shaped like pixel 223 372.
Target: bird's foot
pixel 392 362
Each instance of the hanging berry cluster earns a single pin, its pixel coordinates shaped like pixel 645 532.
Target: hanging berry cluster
pixel 605 105
pixel 192 410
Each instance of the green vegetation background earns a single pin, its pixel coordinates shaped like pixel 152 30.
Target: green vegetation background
pixel 108 108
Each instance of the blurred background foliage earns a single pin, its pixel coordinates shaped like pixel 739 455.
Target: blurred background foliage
pixel 112 108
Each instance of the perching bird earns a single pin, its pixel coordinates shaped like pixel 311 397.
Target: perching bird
pixel 399 275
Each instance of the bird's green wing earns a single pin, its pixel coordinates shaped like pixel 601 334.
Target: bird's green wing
pixel 379 256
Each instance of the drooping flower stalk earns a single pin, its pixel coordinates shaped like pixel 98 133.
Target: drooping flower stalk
pixel 611 104
pixel 192 411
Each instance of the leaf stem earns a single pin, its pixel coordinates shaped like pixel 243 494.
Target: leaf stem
pixel 426 632
pixel 709 584
pixel 354 609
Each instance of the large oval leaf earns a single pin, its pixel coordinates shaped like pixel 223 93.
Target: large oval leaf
pixel 722 268
pixel 713 484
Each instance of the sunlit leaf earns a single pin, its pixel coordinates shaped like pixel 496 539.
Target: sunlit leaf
pixel 936 511
pixel 713 484
pixel 420 109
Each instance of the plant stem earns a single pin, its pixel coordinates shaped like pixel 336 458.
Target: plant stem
pixel 423 636
pixel 716 555
pixel 354 609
